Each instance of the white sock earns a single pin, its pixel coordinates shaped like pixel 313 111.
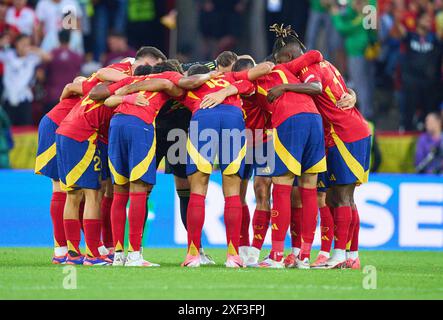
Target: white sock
pixel 295 251
pixel 201 251
pixel 353 255
pixel 60 251
pixel 324 253
pixel 339 254
pixel 134 255
pixel 103 251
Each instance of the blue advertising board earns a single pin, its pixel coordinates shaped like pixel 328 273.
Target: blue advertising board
pixel 397 212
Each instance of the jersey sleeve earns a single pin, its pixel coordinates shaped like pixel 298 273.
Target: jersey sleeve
pixel 241 75
pixel 310 74
pixel 122 67
pixel 120 84
pixel 244 87
pixel 172 76
pixel 309 58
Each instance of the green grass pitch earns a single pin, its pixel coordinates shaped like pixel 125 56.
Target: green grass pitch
pixel 28 274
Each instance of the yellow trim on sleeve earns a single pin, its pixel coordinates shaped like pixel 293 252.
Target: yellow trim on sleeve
pixel 43 158
pixel 282 75
pixel 291 163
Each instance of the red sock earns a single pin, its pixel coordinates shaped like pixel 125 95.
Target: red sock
pixel 56 209
pixel 350 233
pixel 194 219
pixel 72 232
pixel 356 219
pixel 245 221
pixel 136 219
pixel 260 224
pixel 92 229
pixel 296 214
pixel 233 221
pixel 118 219
pixel 342 220
pixel 327 229
pixel 308 220
pixel 81 211
pixel 280 219
pixel 106 222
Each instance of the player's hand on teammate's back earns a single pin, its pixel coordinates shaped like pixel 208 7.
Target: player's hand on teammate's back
pixel 275 93
pixel 212 100
pixel 347 101
pixel 141 100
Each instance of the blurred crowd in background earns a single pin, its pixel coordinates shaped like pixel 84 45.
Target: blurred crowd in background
pixel 393 60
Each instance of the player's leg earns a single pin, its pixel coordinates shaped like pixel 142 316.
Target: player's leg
pixel 198 169
pixel 108 246
pixel 56 210
pixel 295 227
pixel 308 195
pixel 118 222
pixel 326 227
pixel 243 249
pixel 195 217
pixel 352 259
pixel 232 151
pixel 46 164
pixel 348 165
pixel 71 223
pixel 138 196
pixel 232 218
pixel 341 197
pixel 280 218
pixel 92 224
pixel 261 218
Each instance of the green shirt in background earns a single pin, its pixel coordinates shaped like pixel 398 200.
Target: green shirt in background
pixel 317 6
pixel 141 10
pixel 350 25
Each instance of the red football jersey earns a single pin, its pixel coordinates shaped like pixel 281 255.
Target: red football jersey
pixel 62 109
pixel 89 116
pixel 288 104
pixel 194 97
pixel 349 125
pixel 256 117
pixel 156 99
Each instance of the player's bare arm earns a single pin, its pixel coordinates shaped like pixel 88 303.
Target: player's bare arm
pixel 71 89
pixel 197 80
pixel 100 91
pixel 152 85
pixel 109 74
pixel 260 70
pixel 312 88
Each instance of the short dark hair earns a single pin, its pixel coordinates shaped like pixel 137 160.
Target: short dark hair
pixel 243 64
pixel 20 37
pixel 226 58
pixel 64 36
pixel 177 65
pixel 143 70
pixel 150 52
pixel 165 66
pixel 198 69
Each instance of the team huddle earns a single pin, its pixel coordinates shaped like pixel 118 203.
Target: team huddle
pixel 290 123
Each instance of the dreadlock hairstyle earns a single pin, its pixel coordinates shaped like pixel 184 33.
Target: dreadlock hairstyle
pixel 285 36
